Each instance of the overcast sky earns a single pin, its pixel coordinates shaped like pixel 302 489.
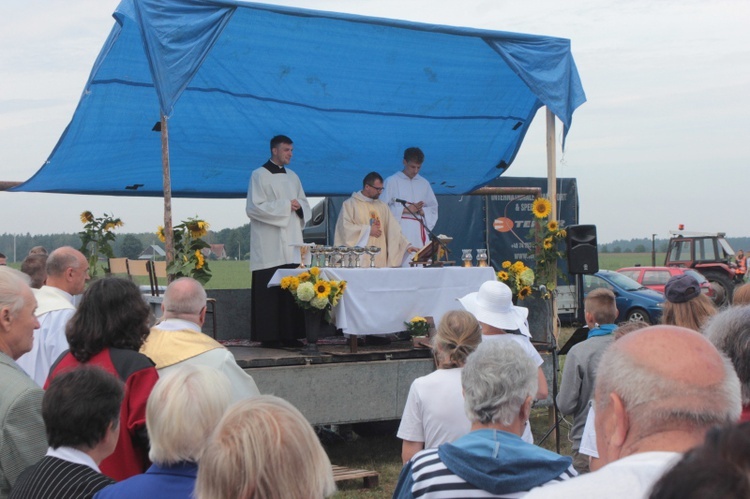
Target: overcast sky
pixel 664 138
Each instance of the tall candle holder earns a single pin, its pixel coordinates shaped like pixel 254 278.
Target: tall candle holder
pixel 481 257
pixel 466 257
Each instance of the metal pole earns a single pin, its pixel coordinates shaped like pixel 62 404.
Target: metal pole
pixel 653 250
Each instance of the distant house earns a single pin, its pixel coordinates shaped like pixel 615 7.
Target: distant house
pixel 152 252
pixel 219 251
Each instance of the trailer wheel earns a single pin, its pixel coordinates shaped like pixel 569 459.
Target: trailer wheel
pixel 722 285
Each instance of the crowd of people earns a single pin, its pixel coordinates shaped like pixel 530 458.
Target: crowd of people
pixel 129 411
pixel 97 402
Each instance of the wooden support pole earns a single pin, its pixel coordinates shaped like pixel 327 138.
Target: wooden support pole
pixel 167 186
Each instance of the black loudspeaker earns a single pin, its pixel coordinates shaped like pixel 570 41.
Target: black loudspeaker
pixel 583 256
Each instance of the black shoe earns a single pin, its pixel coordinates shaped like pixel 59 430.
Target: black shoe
pixel 292 343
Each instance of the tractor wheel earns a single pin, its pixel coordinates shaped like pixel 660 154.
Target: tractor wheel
pixel 723 287
pixel 638 314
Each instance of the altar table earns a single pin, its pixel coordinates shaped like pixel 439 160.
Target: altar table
pixel 379 301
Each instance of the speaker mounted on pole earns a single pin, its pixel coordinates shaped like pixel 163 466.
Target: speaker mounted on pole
pixel 583 253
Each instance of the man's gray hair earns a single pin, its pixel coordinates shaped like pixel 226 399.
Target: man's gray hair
pixel 61 259
pixel 184 296
pixel 655 403
pixel 497 378
pixel 729 331
pixel 12 283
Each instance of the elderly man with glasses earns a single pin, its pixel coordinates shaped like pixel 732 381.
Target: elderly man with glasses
pixel 366 221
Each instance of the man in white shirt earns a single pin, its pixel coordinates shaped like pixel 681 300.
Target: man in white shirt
pixel 658 391
pixel 177 340
pixel 278 209
pixel 67 273
pixel 421 204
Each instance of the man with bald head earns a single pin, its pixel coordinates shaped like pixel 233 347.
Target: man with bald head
pixel 178 340
pixel 67 273
pixel 658 391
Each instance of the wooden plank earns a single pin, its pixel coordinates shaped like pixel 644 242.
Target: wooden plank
pixel 370 479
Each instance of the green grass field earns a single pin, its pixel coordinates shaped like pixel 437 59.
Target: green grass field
pixel 231 274
pixel 614 261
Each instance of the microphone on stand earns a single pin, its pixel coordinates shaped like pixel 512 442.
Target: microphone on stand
pixel 397 200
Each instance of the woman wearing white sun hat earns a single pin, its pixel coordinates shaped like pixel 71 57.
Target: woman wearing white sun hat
pixel 493 307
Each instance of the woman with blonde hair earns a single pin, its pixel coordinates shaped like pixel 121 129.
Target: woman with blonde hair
pixel 686 305
pixel 434 412
pixel 264 448
pixel 182 411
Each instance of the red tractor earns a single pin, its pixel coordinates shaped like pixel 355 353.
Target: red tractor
pixel 708 253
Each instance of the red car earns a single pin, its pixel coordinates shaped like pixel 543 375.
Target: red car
pixel 656 277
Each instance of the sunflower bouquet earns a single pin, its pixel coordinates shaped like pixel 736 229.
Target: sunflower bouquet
pixel 189 260
pixel 96 238
pixel 311 291
pixel 548 237
pixel 518 277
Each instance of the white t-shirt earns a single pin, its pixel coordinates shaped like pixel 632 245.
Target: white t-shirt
pixel 588 440
pixel 628 478
pixel 434 411
pixel 533 355
pixel 521 340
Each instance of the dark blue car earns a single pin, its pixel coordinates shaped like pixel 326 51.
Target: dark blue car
pixel 634 302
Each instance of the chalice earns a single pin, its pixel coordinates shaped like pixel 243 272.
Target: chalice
pixel 372 251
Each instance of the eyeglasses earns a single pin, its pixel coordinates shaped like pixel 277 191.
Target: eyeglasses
pixel 379 189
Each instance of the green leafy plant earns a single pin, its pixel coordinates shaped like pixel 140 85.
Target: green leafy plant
pixel 189 260
pixel 548 236
pixel 96 238
pixel 417 326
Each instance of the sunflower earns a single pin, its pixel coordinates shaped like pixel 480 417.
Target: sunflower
pixel 315 271
pixel 418 319
pixel 86 217
pixel 541 207
pixel 518 267
pixel 552 226
pixel 524 292
pixel 562 234
pixel 201 261
pixel 109 226
pixel 506 264
pixel 304 277
pixel 293 283
pixel 322 289
pixel 197 228
pixel 119 223
pixel 547 242
pixel 502 275
pixel 285 282
pixel 160 234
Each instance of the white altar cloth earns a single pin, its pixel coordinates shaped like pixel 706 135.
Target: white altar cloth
pixel 379 301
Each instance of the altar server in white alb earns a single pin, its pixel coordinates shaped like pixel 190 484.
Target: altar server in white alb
pixel 409 186
pixel 278 209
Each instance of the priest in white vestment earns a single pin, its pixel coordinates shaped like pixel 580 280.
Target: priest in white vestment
pixel 421 204
pixel 278 209
pixel 67 273
pixel 366 221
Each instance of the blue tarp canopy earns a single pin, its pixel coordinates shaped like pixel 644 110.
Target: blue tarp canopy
pixel 352 92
